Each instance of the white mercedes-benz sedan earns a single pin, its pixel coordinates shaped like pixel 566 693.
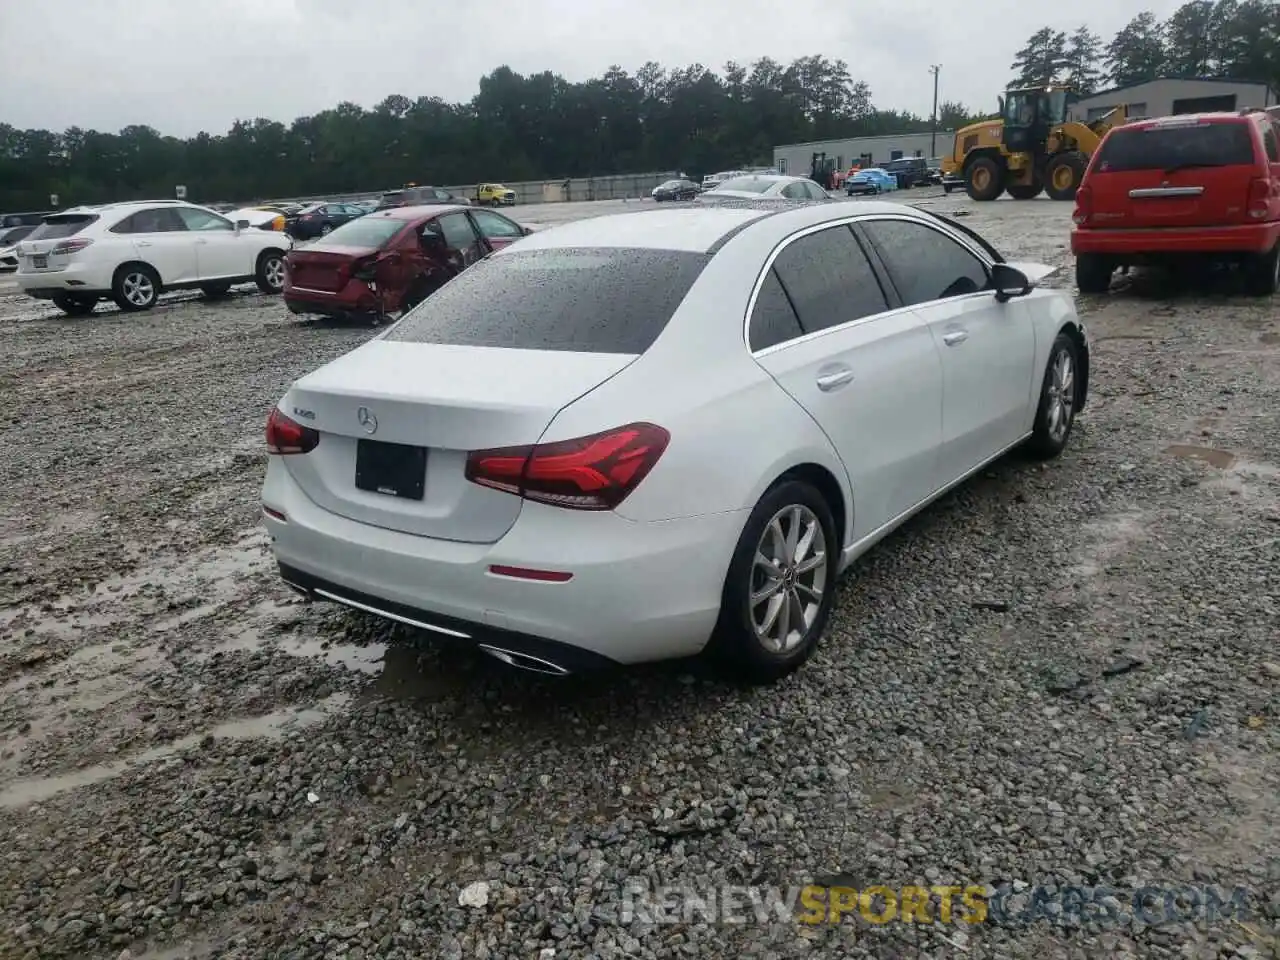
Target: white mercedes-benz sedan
pixel 647 435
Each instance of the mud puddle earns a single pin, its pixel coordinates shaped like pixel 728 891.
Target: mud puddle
pixel 268 726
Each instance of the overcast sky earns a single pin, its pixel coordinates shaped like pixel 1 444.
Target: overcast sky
pixel 188 65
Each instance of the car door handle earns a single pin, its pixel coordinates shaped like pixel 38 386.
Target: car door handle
pixel 834 379
pixel 955 337
pixel 144 243
pixel 202 240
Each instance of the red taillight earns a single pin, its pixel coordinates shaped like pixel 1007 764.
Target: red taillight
pixel 70 246
pixel 1259 198
pixel 590 473
pixel 1084 206
pixel 289 436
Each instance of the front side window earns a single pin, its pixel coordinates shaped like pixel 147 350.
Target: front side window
pixel 925 264
pixel 829 280
pixel 457 232
pixel 203 220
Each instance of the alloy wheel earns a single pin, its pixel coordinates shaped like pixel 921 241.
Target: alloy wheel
pixel 788 576
pixel 274 270
pixel 138 289
pixel 1062 395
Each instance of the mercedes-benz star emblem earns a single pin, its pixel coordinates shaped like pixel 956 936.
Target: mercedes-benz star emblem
pixel 367 420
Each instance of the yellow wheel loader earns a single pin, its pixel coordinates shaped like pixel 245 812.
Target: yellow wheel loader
pixel 1030 147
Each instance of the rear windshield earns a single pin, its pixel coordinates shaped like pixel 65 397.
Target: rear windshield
pixel 593 300
pixel 1166 147
pixel 364 232
pixel 746 184
pixel 391 199
pixel 61 225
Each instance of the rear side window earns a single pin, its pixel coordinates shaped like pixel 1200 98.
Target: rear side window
pixel 587 300
pixel 773 320
pixel 159 220
pixel 61 225
pixel 1269 142
pixel 829 280
pixel 1173 146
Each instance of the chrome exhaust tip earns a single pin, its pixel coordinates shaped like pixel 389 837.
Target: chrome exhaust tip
pixel 525 661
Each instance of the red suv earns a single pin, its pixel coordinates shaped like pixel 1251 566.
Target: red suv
pixel 1200 185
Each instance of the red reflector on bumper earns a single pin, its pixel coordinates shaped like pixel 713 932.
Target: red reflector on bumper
pixel 524 573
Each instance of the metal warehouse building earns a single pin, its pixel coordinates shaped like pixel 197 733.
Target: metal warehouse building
pixel 797 158
pixel 1167 96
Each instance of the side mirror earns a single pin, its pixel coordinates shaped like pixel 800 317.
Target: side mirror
pixel 1009 282
pixel 525 231
pixel 242 224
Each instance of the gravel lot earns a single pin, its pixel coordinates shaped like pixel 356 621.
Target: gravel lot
pixel 1058 675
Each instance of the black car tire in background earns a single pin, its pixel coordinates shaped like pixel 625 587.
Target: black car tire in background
pixel 74 306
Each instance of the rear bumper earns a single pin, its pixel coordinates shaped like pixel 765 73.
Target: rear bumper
pixel 639 591
pixel 342 303
pixel 1244 238
pixel 78 278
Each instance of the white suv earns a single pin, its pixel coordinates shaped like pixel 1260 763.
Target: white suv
pixel 132 252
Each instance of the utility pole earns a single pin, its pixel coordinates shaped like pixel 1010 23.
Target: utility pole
pixel 933 133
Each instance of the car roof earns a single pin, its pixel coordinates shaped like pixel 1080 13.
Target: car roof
pixel 688 230
pixel 699 229
pixel 130 205
pixel 770 177
pixel 1187 120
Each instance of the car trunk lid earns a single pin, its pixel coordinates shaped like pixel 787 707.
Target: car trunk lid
pixel 443 400
pixel 1178 172
pixel 324 268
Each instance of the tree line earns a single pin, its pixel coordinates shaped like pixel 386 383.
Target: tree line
pixel 536 127
pixel 1239 39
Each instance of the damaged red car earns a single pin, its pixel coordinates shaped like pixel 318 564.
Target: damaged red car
pixel 391 260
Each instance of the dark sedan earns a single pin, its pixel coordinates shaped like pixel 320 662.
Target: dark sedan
pixel 414 195
pixel 676 190
pixel 320 219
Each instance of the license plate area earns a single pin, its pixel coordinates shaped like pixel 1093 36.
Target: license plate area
pixel 40 261
pixel 391 469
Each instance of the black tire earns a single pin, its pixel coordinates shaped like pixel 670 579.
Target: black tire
pixel 135 287
pixel 215 290
pixel 1093 273
pixel 983 179
pixel 1049 436
pixel 74 306
pixel 269 273
pixel 1025 191
pixel 947 188
pixel 1263 274
pixel 1063 173
pixel 735 644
